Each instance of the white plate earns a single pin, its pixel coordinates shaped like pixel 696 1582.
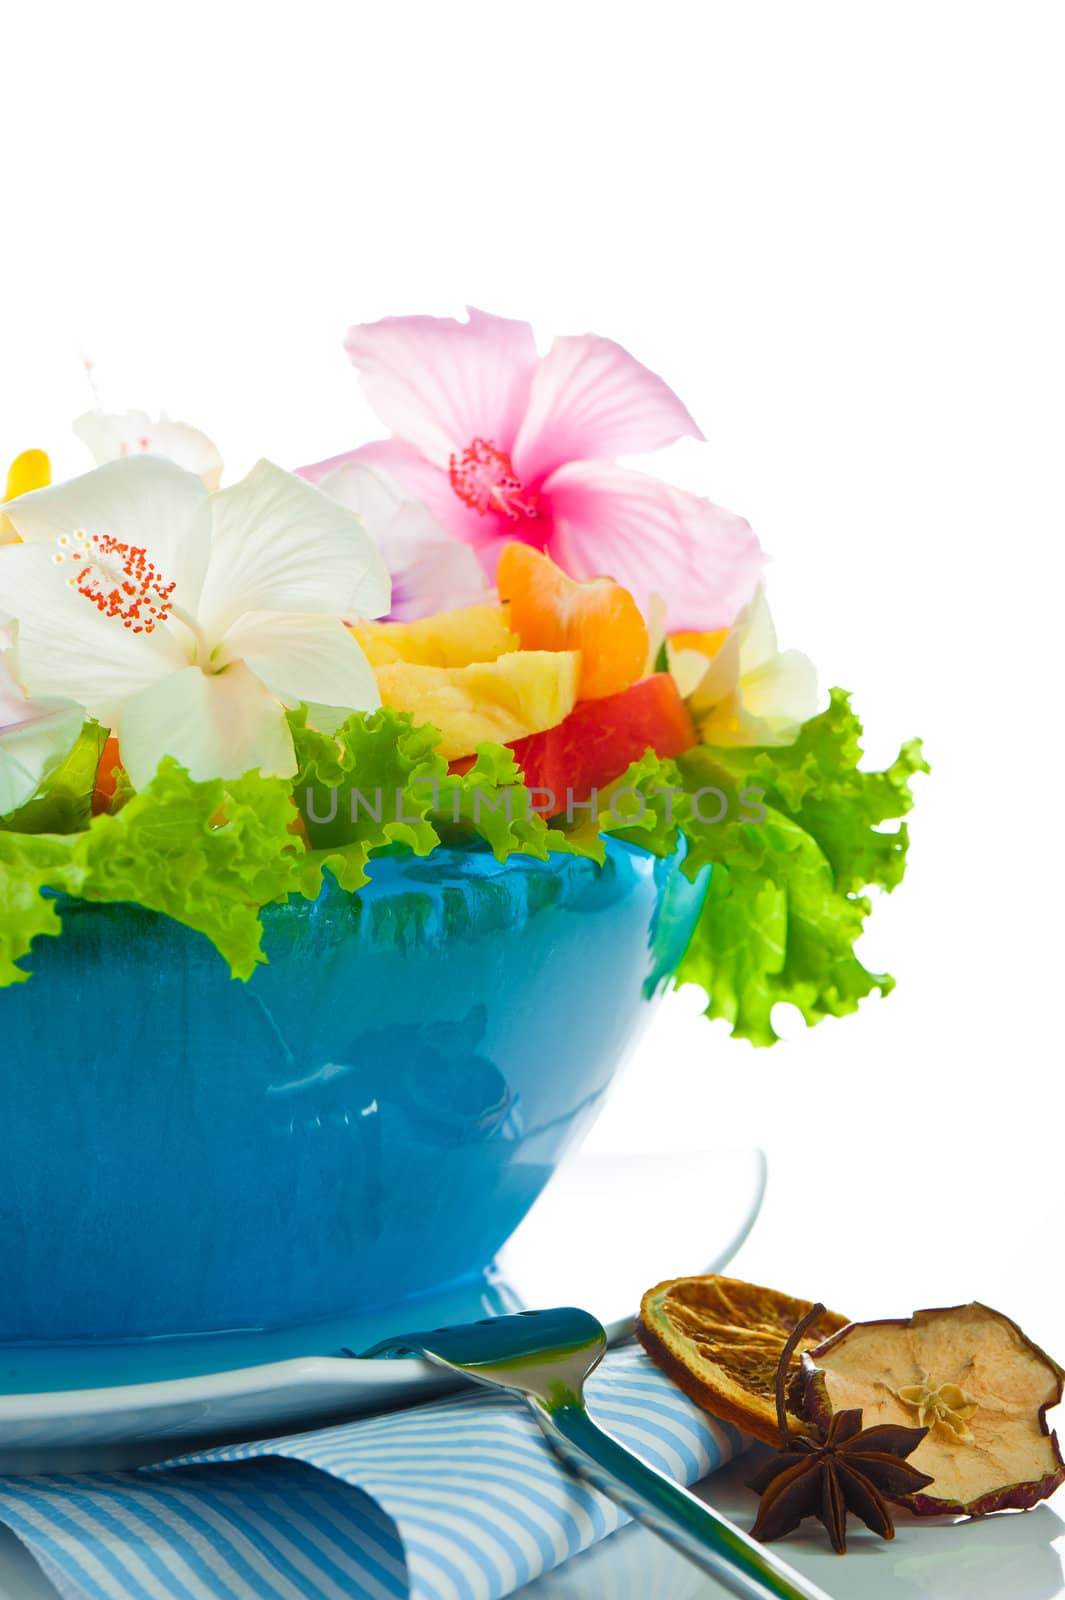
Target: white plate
pixel 1004 1557
pixel 606 1229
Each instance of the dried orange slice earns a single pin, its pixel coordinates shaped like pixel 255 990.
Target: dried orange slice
pixel 721 1340
pixel 552 611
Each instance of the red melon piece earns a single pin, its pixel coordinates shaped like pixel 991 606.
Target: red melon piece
pixel 601 738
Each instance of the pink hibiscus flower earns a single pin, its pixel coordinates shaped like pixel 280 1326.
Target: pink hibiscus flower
pixel 501 443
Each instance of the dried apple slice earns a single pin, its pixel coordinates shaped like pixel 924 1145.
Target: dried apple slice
pixel 969 1375
pixel 721 1341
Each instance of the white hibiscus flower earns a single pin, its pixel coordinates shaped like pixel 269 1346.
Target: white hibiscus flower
pixel 185 621
pixel 112 436
pixel 740 688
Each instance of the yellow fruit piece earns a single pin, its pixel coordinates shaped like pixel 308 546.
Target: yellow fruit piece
pixel 31 470
pixel 708 644
pixel 524 691
pixel 449 639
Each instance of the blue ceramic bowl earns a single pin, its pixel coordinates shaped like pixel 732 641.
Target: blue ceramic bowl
pixel 367 1119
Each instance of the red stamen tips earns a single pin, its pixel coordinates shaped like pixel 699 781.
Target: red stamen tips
pixel 117 578
pixel 484 478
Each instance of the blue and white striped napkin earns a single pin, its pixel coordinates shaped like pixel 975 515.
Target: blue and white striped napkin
pixel 461 1499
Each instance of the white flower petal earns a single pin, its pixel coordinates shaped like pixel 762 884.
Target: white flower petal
pixel 757 634
pixel 688 667
pixel 782 694
pixel 143 501
pixel 31 750
pixel 751 694
pixel 722 677
pixel 655 615
pixel 281 545
pixel 12 694
pixel 399 525
pixel 113 437
pixel 431 570
pixel 67 649
pixel 308 659
pixel 372 494
pixel 217 725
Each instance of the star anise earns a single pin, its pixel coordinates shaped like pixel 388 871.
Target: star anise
pixel 847 1468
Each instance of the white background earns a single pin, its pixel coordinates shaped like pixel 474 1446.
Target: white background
pixel 834 228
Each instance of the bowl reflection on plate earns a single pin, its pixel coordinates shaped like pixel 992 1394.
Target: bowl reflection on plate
pixel 368 1118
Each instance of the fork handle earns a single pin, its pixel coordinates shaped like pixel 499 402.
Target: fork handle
pixel 738 1562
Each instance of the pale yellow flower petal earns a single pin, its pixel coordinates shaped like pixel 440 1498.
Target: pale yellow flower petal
pixel 217 725
pixel 304 659
pixel 689 668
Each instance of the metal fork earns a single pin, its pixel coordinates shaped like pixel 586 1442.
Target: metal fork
pixel 545 1357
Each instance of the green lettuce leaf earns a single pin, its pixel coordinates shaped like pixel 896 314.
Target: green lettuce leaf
pixel 785 905
pixel 63 803
pixel 379 783
pixel 25 866
pixel 491 803
pixel 794 838
pixel 369 786
pixel 210 855
pixel 817 781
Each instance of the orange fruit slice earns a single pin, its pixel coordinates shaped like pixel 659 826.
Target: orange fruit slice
pixel 551 611
pixel 721 1341
pixel 106 776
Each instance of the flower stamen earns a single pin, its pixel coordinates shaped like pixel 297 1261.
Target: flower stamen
pixel 484 478
pixel 117 578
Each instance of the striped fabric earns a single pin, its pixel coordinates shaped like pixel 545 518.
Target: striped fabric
pixel 458 1500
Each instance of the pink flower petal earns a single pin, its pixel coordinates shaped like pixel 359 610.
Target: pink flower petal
pixel 315 471
pixel 431 570
pixel 653 538
pixel 439 384
pixel 442 577
pixel 425 482
pixel 591 400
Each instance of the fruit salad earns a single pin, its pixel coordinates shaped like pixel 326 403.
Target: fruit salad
pixel 484 631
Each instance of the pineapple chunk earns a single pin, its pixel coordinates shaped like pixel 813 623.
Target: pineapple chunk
pixel 524 691
pixel 449 639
